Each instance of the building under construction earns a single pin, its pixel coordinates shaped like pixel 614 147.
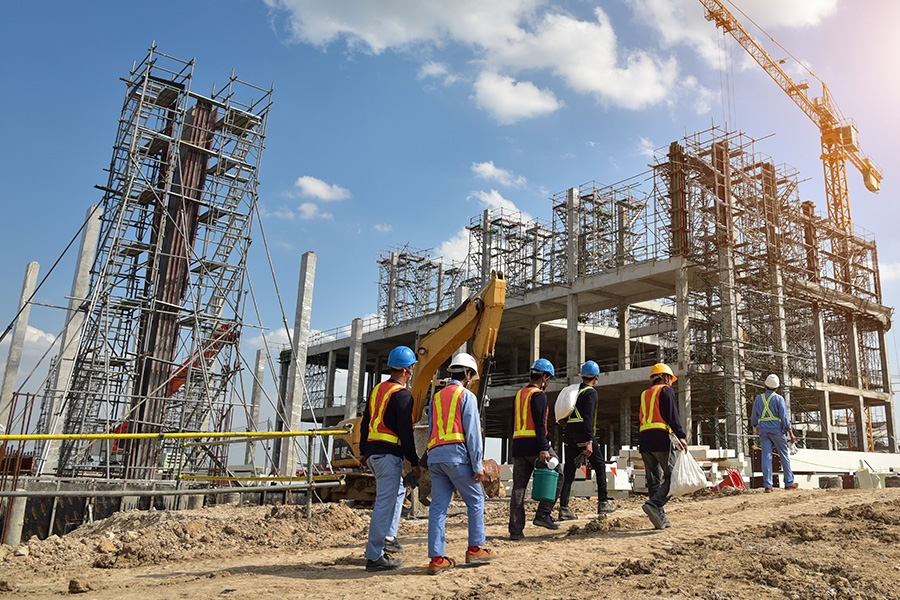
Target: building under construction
pixel 709 262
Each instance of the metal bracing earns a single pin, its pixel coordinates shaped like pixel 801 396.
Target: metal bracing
pixel 165 310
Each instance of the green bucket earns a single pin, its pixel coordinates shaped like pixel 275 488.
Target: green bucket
pixel 543 489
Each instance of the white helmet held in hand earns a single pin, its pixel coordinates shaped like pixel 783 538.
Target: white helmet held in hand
pixel 463 362
pixel 772 381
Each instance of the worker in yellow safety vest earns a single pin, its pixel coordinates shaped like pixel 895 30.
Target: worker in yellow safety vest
pixel 386 439
pixel 531 444
pixel 455 453
pixel 771 421
pixel 658 418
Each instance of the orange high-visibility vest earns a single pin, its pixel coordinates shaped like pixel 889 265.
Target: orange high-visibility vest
pixel 378 401
pixel 446 417
pixel 650 415
pixel 524 421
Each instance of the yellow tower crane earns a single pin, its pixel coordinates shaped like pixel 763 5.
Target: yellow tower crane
pixel 839 143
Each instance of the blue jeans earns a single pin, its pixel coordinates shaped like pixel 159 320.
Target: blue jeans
pixel 389 494
pixel 444 479
pixel 658 470
pixel 768 439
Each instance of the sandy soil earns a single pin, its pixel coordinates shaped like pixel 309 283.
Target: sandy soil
pixel 804 544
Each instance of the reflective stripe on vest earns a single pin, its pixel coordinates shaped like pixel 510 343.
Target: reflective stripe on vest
pixel 378 401
pixel 524 425
pixel 650 416
pixel 446 417
pixel 766 411
pixel 576 416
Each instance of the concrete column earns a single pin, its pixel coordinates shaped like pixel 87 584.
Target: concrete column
pixel 819 332
pixel 853 343
pixel 294 405
pixel 534 345
pixel 572 239
pixel 486 245
pixel 862 438
pixel 683 340
pixel 825 415
pixel 15 521
pixel 16 342
pixel 329 378
pixel 389 311
pixel 886 382
pixel 574 350
pixel 625 420
pixel 354 369
pixel 624 314
pixel 255 395
pixel 70 339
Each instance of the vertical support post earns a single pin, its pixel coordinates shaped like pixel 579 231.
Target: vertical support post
pixel 354 369
pixel 486 245
pixel 534 344
pixel 390 314
pixel 573 235
pixel 15 346
pixel 255 396
pixel 294 405
pixel 15 521
pixel 70 339
pixel 574 349
pixel 624 314
pixel 683 340
pixel 309 476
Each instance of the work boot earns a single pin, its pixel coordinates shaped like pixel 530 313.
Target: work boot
pixel 666 522
pixel 392 546
pixel 793 486
pixel 483 555
pixel 517 536
pixel 566 514
pixel 768 490
pixel 546 522
pixel 604 507
pixel 384 563
pixel 652 511
pixel 445 564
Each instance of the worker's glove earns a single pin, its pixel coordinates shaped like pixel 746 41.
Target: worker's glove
pixel 410 480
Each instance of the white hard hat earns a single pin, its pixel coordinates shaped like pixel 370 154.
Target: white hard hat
pixel 772 381
pixel 463 361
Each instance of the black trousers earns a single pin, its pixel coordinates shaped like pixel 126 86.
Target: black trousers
pixel 572 451
pixel 523 467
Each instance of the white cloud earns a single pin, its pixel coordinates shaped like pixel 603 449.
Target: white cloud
pixel 437 70
pixel 310 187
pixel 383 227
pixel 508 101
pixel 308 210
pixel 646 147
pixel 889 271
pixel 456 248
pixel 487 170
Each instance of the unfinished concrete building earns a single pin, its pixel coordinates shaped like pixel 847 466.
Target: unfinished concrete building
pixel 710 262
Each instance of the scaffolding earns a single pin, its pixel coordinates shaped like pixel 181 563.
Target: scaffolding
pixel 158 350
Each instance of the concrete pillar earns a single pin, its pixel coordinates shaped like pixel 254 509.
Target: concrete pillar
pixel 819 332
pixel 825 415
pixel 354 369
pixel 15 345
pixel 70 339
pixel 486 245
pixel 862 423
pixel 15 520
pixel 390 316
pixel 624 314
pixel 534 346
pixel 683 340
pixel 853 344
pixel 886 382
pixel 572 239
pixel 329 378
pixel 625 420
pixel 294 405
pixel 255 395
pixel 574 350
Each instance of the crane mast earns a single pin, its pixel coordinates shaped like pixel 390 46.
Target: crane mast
pixel 838 135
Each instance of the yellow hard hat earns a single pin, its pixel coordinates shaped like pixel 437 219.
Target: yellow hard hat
pixel 660 369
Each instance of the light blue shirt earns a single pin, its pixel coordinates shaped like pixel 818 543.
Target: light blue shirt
pixel 777 408
pixel 456 454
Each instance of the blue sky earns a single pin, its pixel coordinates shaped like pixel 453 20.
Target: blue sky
pixel 394 122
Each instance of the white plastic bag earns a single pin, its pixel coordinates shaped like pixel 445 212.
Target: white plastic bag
pixel 565 402
pixel 687 476
pixel 792 448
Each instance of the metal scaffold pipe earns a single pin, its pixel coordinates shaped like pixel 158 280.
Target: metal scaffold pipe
pixel 170 435
pixel 135 492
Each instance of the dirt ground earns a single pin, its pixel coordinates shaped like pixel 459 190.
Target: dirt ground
pixel 803 544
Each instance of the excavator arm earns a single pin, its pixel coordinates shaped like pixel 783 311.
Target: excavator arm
pixel 478 320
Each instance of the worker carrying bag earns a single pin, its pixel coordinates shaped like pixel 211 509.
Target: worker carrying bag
pixel 687 476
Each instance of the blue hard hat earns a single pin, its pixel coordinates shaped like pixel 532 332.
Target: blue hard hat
pixel 401 357
pixel 544 366
pixel 590 369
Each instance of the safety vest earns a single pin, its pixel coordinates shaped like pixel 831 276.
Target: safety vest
pixel 524 425
pixel 651 418
pixel 766 411
pixel 576 417
pixel 378 401
pixel 446 417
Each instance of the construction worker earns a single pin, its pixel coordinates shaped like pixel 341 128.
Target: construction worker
pixel 454 461
pixel 659 418
pixel 531 444
pixel 581 445
pixel 771 422
pixel 387 437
